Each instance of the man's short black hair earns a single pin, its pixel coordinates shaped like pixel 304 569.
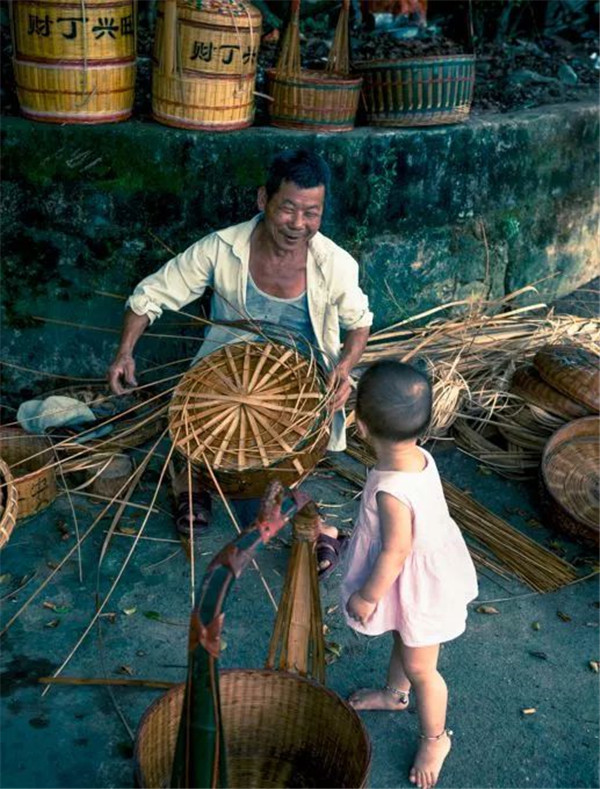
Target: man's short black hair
pixel 304 168
pixel 394 401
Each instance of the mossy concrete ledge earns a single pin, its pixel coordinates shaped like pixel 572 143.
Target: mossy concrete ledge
pixel 433 215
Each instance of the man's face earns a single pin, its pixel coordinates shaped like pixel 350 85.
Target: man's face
pixel 292 215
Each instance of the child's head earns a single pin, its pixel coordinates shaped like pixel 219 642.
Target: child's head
pixel 393 401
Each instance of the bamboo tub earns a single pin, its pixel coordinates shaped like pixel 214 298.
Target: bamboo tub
pixel 205 64
pixel 75 62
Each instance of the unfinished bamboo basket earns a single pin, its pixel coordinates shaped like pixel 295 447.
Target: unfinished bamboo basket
pixel 30 459
pixel 314 100
pixel 205 64
pixel 426 91
pixel 75 62
pixel 573 371
pixel 571 479
pixel 8 503
pixel 251 412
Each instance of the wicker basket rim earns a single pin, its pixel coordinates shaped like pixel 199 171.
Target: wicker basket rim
pixel 399 62
pixel 286 675
pixel 313 76
pixel 577 428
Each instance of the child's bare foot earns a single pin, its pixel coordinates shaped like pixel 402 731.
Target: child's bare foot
pixel 429 760
pixel 385 698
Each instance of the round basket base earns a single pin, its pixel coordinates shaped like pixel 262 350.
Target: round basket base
pixel 281 730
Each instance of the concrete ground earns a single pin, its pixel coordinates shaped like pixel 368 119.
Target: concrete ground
pixel 533 654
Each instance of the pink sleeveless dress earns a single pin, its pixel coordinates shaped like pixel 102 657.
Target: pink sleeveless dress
pixel 427 603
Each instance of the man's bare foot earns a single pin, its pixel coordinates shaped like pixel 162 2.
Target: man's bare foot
pixel 378 699
pixel 429 760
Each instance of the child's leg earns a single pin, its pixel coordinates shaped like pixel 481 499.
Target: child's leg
pixel 394 695
pixel 420 664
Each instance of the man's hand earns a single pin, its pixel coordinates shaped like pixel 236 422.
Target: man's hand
pixel 360 609
pixel 122 369
pixel 340 379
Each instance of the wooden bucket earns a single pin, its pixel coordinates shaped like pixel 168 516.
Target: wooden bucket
pixel 29 458
pixel 251 412
pixel 424 91
pixel 75 61
pixel 571 479
pixel 281 730
pixel 313 100
pixel 205 64
pixel 8 503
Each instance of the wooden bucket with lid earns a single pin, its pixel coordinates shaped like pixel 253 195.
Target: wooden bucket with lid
pixel 74 62
pixel 205 64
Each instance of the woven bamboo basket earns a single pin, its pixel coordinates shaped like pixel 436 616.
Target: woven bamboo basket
pixel 75 62
pixel 251 412
pixel 281 730
pixel 314 100
pixel 528 384
pixel 573 371
pixel 570 476
pixel 205 64
pixel 30 460
pixel 8 504
pixel 425 91
pixel 138 417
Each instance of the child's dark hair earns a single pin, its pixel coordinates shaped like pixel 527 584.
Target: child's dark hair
pixel 304 168
pixel 394 401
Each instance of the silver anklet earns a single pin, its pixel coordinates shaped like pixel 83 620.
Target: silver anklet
pixel 401 695
pixel 447 732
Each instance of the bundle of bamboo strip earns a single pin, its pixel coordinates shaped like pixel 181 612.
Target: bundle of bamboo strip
pixel 471 358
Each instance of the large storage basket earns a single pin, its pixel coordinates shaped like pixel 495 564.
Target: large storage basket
pixel 8 503
pixel 74 62
pixel 252 412
pixel 313 100
pixel 31 462
pixel 424 91
pixel 209 83
pixel 281 730
pixel 571 478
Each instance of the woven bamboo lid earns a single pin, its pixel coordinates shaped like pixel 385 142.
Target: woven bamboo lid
pixel 528 384
pixel 572 370
pixel 571 471
pixel 249 405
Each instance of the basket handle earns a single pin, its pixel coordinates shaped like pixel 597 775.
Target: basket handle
pixel 200 753
pixel 288 63
pixel 338 61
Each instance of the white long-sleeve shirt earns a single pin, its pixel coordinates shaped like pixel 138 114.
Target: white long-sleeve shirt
pixel 221 261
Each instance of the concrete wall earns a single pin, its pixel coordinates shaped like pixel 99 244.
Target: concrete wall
pixel 432 215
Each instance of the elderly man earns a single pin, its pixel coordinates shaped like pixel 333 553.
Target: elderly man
pixel 276 267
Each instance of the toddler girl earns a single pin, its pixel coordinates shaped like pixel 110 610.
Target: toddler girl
pixel 407 569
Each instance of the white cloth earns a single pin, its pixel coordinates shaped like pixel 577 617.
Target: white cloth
pixel 221 261
pixel 427 603
pixel 36 416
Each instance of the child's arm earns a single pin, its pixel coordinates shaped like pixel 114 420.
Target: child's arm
pixel 396 531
